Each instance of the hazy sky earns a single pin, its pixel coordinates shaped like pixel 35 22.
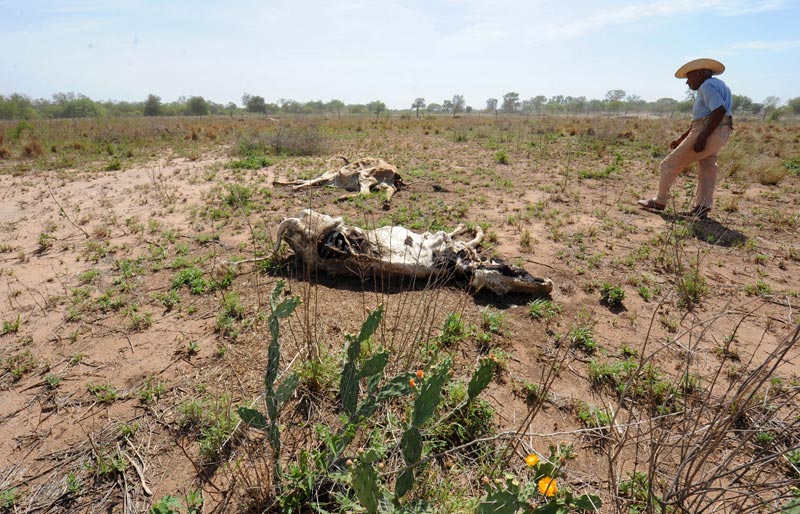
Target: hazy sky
pixel 394 51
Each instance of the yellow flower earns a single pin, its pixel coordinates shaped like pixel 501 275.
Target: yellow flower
pixel 412 383
pixel 420 374
pixel 548 486
pixel 531 460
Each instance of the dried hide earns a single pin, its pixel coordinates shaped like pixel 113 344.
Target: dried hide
pixel 360 176
pixel 330 245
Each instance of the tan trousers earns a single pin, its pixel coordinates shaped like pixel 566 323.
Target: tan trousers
pixel 684 155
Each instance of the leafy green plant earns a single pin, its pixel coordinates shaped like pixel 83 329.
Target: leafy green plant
pixel 501 157
pixel 8 498
pixel 192 277
pixel 274 398
pixel 454 330
pixel 492 321
pixel 793 458
pixel 611 295
pixel 760 288
pixel 592 417
pixel 10 327
pixel 151 391
pixel 536 492
pixel 52 381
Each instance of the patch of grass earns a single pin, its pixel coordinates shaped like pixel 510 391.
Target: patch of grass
pixel 501 157
pixel 20 364
pixel 691 286
pixel 467 422
pixel 8 499
pixel 103 393
pixel 213 418
pixel 231 311
pixel 192 277
pixel 151 391
pixel 541 309
pixel 88 276
pixel 251 162
pixel 760 288
pixel 582 338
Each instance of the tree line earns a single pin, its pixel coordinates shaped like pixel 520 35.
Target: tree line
pixel 71 105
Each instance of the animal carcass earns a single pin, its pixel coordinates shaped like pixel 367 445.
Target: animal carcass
pixel 328 244
pixel 360 176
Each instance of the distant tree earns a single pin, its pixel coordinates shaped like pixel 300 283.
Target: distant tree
pixel 755 108
pixel 231 108
pixel 377 107
pixel 538 101
pixel 468 109
pixel 80 106
pixel 335 106
pixel 510 102
pixel 314 106
pixel 794 104
pixel 615 95
pixel 152 106
pixel 358 109
pixel 16 107
pixel 664 105
pixel 770 105
pixel 740 103
pixel 458 104
pixel 577 104
pixel 197 106
pixel 491 105
pixel 434 108
pixel 447 106
pixel 254 103
pixel 418 104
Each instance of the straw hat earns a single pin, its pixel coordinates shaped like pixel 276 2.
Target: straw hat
pixel 716 67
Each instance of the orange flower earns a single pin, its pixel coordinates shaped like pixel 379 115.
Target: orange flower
pixel 420 374
pixel 548 486
pixel 412 383
pixel 531 460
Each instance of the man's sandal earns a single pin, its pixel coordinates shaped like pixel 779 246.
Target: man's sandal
pixel 652 204
pixel 700 212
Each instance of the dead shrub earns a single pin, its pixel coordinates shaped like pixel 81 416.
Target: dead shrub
pixel 4 153
pixel 768 171
pixel 32 150
pixel 298 141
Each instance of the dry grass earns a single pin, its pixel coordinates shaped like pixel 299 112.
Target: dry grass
pixel 692 375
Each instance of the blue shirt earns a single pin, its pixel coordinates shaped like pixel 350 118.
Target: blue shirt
pixel 713 93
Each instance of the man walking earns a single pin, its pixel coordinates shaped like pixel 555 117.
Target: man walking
pixel 711 126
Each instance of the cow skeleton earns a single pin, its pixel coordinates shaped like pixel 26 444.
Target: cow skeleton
pixel 360 176
pixel 329 244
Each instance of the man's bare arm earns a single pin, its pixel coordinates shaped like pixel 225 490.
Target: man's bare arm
pixel 713 122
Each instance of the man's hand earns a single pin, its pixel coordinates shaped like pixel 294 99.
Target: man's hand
pixel 700 144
